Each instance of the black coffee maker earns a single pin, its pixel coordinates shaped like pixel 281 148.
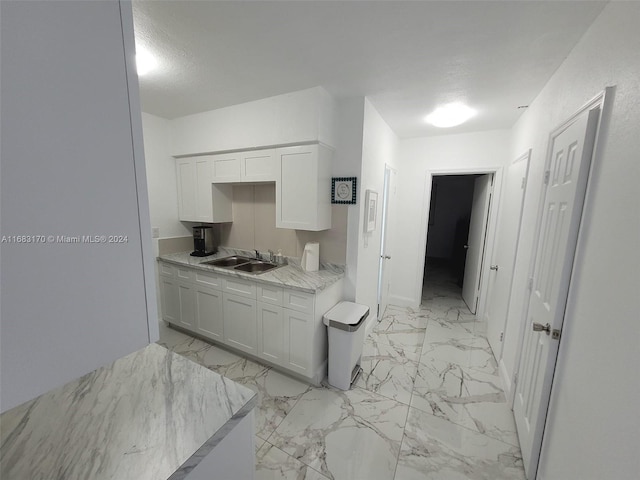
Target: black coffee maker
pixel 203 242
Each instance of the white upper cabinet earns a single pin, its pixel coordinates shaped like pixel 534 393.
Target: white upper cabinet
pixel 226 167
pixel 259 166
pixel 248 166
pixel 198 199
pixel 303 194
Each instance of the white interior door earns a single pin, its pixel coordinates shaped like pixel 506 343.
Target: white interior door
pixel 501 275
pixel 476 240
pixel 388 201
pixel 566 182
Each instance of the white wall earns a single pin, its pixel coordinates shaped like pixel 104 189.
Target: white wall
pixel 471 152
pixel 347 162
pixel 161 177
pixel 379 147
pixel 297 117
pixel 72 165
pixel 593 427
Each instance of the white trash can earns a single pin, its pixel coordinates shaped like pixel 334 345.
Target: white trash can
pixel 345 325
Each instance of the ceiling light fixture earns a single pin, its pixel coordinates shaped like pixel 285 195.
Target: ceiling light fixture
pixel 145 62
pixel 450 115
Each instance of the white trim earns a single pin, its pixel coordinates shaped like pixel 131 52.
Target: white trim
pixel 491 229
pixel 144 217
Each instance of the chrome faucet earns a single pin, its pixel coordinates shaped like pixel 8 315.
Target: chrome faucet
pixel 271 255
pixel 257 254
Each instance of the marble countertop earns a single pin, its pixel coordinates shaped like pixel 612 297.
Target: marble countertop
pixel 150 415
pixel 290 276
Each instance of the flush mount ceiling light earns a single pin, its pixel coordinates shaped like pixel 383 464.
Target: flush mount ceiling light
pixel 145 62
pixel 450 115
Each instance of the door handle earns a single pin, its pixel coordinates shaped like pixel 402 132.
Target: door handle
pixel 494 267
pixel 466 246
pixel 386 257
pixel 538 327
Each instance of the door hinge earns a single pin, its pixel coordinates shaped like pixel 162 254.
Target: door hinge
pixel 501 335
pixel 530 285
pixel 515 379
pixel 555 334
pixel 547 174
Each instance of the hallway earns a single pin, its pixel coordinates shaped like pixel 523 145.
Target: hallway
pixel 428 404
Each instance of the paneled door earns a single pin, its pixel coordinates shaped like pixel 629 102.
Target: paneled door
pixel 501 275
pixel 571 150
pixel 476 241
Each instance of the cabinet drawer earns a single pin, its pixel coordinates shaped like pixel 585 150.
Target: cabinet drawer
pixel 272 295
pixel 299 301
pixel 239 287
pixel 167 270
pixel 208 280
pixel 185 274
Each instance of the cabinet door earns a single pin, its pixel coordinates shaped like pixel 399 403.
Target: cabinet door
pixel 170 299
pixel 226 168
pixel 208 304
pixel 303 193
pixel 260 166
pixel 186 176
pixel 186 303
pixel 204 183
pixel 240 323
pixel 271 333
pixel 298 341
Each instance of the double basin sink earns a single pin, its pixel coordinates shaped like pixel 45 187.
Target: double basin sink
pixel 243 264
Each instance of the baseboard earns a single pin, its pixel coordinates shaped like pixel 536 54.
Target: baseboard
pixel 507 386
pixel 403 301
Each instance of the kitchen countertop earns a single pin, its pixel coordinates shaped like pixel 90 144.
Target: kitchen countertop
pixel 150 415
pixel 290 276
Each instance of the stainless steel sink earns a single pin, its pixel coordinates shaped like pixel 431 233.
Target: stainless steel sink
pixel 228 261
pixel 243 264
pixel 256 267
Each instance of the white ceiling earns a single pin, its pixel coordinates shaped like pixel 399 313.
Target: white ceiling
pixel 407 57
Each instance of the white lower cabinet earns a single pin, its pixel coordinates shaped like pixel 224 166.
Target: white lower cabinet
pixel 209 312
pixel 186 298
pixel 297 334
pixel 169 298
pixel 279 325
pixel 271 334
pixel 240 322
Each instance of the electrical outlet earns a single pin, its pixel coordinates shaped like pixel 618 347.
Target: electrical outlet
pixel 155 232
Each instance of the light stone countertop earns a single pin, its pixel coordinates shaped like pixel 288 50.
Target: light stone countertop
pixel 290 276
pixel 150 415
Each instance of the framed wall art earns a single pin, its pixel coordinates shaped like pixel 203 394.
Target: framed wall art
pixel 343 190
pixel 371 211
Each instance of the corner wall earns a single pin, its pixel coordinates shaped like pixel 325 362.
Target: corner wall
pixel 593 426
pixel 379 147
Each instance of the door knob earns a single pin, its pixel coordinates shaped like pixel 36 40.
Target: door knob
pixel 538 327
pixel 386 257
pixel 466 246
pixel 494 267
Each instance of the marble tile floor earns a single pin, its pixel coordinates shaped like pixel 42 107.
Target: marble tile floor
pixel 428 405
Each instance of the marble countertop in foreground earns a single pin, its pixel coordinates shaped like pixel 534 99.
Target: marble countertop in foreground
pixel 150 415
pixel 290 276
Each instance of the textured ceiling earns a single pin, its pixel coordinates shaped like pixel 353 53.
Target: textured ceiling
pixel 407 57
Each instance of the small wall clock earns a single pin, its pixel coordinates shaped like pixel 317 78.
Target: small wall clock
pixel 343 190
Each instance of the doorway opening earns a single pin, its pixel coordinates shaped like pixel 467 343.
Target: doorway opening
pixel 458 221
